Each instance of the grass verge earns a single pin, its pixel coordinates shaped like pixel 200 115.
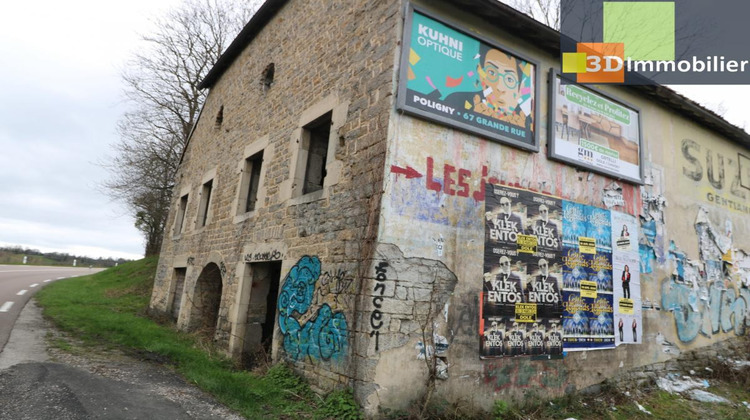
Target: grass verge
pixel 109 308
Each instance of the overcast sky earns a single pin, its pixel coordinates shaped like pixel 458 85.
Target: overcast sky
pixel 60 63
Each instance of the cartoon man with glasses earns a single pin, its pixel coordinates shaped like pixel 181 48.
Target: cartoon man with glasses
pixel 500 77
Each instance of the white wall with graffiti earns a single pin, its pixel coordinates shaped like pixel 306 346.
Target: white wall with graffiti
pixel 679 270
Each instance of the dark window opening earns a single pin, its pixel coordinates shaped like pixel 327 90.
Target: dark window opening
pixel 205 202
pixel 317 133
pixel 180 218
pixel 219 117
pixel 267 77
pixel 253 165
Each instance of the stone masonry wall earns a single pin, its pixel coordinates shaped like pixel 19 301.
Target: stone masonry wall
pixel 328 56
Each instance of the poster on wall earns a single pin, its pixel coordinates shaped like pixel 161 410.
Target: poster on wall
pixel 593 130
pixel 467 82
pixel 588 313
pixel 521 300
pixel 627 287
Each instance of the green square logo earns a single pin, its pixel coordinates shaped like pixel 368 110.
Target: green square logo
pixel 646 28
pixel 574 63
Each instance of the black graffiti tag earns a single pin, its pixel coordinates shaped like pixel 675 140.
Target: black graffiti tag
pixel 376 318
pixel 274 255
pixel 336 284
pixel 223 269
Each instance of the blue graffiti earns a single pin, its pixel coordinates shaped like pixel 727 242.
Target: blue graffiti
pixel 647 255
pixel 649 231
pixel 322 337
pixel 721 310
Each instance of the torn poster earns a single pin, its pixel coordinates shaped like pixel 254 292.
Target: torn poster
pixel 613 196
pixel 626 276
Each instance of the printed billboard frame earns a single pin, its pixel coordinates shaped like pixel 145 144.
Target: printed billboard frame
pixel 553 149
pixel 401 96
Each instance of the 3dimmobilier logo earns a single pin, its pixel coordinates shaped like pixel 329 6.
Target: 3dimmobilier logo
pixel 690 41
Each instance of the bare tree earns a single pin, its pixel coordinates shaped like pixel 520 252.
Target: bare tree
pixel 545 11
pixel 161 85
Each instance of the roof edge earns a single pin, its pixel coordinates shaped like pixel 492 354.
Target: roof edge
pixel 256 24
pixel 542 36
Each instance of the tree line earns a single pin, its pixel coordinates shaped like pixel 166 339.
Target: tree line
pixel 15 254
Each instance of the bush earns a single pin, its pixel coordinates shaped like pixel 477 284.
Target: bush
pixel 340 405
pixel 283 377
pixel 500 409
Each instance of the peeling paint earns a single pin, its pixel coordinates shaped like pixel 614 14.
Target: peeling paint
pixel 653 206
pixel 409 295
pixel 667 347
pixel 439 244
pixel 440 347
pixel 612 196
pixel 441 369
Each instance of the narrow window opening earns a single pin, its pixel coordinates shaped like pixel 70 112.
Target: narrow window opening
pixel 205 203
pixel 180 218
pixel 253 165
pixel 219 117
pixel 267 77
pixel 317 133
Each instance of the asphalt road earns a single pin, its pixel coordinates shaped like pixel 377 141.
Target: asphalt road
pixel 38 382
pixel 19 282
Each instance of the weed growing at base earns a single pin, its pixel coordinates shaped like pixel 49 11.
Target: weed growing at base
pixel 109 308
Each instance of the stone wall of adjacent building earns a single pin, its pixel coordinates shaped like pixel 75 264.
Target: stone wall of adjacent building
pixel 328 56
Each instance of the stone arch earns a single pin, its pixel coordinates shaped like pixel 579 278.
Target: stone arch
pixel 207 300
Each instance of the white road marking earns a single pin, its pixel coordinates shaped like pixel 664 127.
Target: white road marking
pixel 48 280
pixel 27 271
pixel 22 292
pixel 59 278
pixel 6 306
pixel 34 285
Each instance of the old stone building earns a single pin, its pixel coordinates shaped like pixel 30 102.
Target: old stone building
pixel 376 183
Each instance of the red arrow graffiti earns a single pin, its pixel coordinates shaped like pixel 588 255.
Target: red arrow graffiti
pixel 409 171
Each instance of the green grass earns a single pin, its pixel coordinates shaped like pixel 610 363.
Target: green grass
pixel 109 309
pixel 11 258
pixel 17 259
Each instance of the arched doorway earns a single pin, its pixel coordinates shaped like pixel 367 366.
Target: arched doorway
pixel 206 300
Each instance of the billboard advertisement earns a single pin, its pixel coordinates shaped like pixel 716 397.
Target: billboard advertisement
pixel 592 130
pixel 464 81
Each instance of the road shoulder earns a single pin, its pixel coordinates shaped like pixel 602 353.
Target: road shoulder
pixel 29 350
